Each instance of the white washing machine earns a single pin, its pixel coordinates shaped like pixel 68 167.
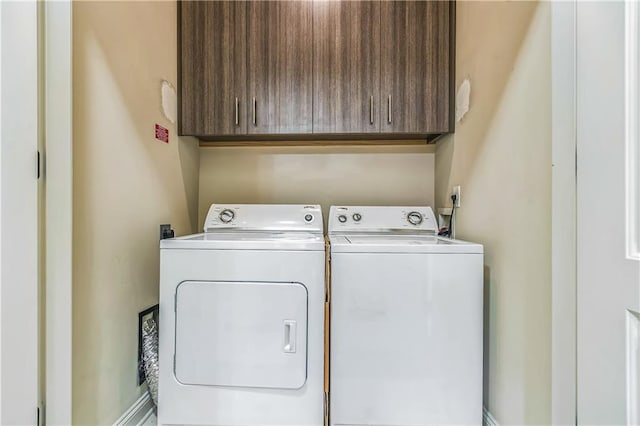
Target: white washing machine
pixel 406 320
pixel 242 319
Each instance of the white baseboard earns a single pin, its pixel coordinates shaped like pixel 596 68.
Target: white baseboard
pixel 488 419
pixel 143 409
pixel 138 413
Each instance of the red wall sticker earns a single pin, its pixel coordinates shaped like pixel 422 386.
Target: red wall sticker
pixel 162 133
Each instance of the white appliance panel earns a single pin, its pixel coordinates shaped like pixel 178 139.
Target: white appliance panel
pixel 373 219
pixel 251 334
pixel 406 339
pixel 264 217
pixel 241 406
pixel 272 240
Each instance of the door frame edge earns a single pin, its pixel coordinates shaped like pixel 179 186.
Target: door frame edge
pixel 58 92
pixel 563 213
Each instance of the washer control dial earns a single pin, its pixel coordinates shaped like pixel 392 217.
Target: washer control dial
pixel 226 215
pixel 308 218
pixel 414 218
pixel 357 217
pixel 342 218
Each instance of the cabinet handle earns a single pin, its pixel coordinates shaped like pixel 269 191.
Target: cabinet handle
pixel 371 110
pixel 237 114
pixel 389 110
pixel 254 111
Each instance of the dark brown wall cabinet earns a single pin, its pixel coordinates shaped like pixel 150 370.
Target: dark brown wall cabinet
pixel 416 78
pixel 279 65
pixel 321 69
pixel 346 67
pixel 212 64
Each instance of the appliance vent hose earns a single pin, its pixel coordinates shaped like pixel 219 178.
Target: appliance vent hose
pixel 150 356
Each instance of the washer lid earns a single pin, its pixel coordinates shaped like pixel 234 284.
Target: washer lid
pixel 298 241
pixel 399 243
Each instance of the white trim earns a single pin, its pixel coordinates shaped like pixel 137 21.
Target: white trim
pixel 633 369
pixel 0 210
pixel 488 419
pixel 19 371
pixel 138 413
pixel 149 418
pixel 564 213
pixel 632 144
pixel 59 209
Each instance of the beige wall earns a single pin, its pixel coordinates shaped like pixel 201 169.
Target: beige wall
pixel 369 175
pixel 126 183
pixel 501 155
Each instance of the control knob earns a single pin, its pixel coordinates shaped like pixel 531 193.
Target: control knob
pixel 308 218
pixel 357 217
pixel 414 218
pixel 226 215
pixel 342 218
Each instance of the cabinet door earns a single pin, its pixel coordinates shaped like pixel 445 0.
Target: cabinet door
pixel 279 60
pixel 213 68
pixel 416 66
pixel 346 67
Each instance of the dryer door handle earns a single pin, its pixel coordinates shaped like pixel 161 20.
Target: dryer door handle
pixel 290 328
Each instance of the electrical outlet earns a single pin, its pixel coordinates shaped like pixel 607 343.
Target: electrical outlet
pixel 458 193
pixel 166 231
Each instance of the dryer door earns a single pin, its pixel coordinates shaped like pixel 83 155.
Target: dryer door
pixel 250 334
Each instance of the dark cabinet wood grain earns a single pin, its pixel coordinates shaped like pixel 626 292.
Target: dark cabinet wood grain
pixel 346 66
pixel 416 78
pixel 279 63
pixel 212 43
pixel 319 69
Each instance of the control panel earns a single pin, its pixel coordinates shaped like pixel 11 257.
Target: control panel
pixel 267 217
pixel 382 219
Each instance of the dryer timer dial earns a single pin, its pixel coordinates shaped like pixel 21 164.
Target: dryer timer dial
pixel 226 215
pixel 414 218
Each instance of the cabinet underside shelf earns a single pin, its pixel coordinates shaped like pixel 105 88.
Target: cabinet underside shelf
pixel 319 139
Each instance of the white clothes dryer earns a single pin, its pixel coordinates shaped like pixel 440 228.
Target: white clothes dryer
pixel 242 319
pixel 406 320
